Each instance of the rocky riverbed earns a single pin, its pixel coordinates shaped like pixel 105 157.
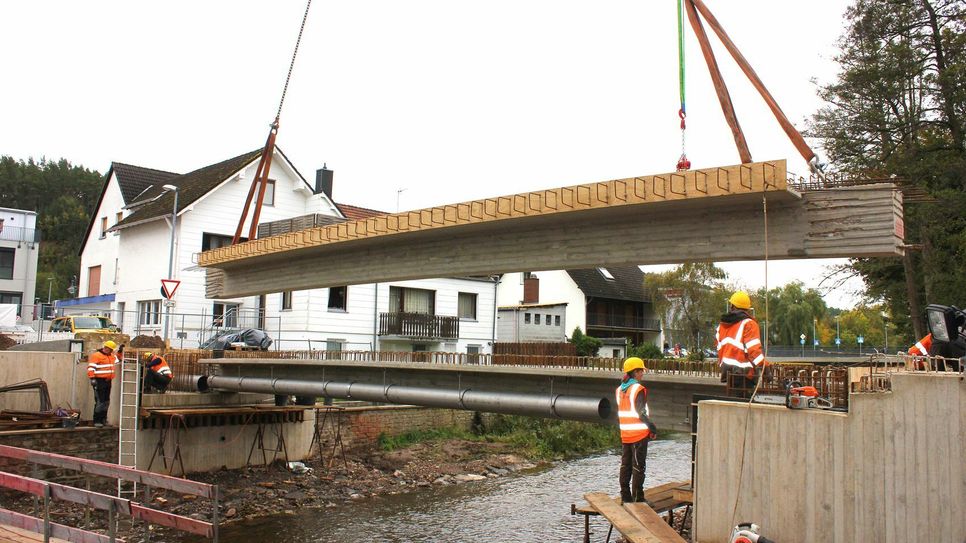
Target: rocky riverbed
pixel 254 492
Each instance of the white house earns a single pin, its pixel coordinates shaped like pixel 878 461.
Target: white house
pixel 610 303
pixel 125 257
pixel 19 249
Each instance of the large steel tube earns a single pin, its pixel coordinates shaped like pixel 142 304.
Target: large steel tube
pixel 555 406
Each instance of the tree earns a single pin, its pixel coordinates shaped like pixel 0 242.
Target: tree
pixel 585 345
pixel 692 298
pixel 792 311
pixel 64 197
pixel 897 109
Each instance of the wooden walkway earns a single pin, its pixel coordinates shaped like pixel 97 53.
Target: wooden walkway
pixel 10 534
pixel 640 522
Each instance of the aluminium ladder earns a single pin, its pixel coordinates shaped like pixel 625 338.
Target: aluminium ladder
pixel 127 433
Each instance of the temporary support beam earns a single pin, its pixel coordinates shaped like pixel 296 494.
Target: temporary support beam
pixel 629 221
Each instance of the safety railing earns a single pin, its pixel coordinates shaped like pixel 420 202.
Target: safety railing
pixel 419 325
pixel 48 491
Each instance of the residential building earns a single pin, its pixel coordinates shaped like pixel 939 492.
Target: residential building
pixel 610 303
pixel 19 250
pixel 125 256
pixel 532 322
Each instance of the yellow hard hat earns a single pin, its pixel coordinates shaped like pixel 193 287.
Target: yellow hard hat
pixel 740 299
pixel 633 363
pixel 148 355
pixel 110 345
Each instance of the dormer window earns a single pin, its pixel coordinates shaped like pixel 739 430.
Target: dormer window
pixel 606 273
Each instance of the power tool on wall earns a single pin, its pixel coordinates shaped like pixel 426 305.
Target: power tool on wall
pixel 747 532
pixel 804 397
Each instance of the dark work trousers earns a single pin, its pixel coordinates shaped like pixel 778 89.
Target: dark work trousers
pixel 155 380
pixel 633 466
pixel 102 400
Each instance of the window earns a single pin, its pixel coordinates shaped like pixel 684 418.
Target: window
pixel 412 300
pixel 6 263
pixel 606 273
pixel 467 305
pixel 216 241
pixel 120 215
pixel 616 353
pixel 472 354
pixel 286 300
pixel 526 318
pixel 338 298
pixel 556 320
pixel 547 320
pixel 93 281
pixel 15 298
pixel 103 227
pixel 225 314
pixel 149 312
pixel 269 193
pixel 536 318
pixel 334 344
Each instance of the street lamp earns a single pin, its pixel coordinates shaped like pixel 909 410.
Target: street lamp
pixel 838 337
pixel 174 226
pixel 814 337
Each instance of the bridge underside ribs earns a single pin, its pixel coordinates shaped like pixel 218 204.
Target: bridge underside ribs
pixel 702 215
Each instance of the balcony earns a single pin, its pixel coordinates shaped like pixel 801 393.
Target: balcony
pixel 419 326
pixel 18 233
pixel 622 321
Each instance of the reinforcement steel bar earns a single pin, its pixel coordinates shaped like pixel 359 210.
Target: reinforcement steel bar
pixel 559 406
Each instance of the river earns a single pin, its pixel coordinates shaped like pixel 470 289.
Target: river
pixel 522 507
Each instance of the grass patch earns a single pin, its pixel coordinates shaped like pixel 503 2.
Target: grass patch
pixel 401 441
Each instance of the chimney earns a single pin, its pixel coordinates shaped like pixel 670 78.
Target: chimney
pixel 323 181
pixel 531 289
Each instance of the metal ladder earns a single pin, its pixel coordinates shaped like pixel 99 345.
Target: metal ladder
pixel 127 433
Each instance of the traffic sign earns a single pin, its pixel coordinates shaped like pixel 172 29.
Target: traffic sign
pixel 860 339
pixel 802 341
pixel 815 342
pixel 169 286
pixel 838 341
pixel 802 337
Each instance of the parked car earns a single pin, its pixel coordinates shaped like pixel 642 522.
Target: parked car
pixel 83 323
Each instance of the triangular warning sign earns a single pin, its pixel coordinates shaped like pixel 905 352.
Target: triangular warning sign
pixel 169 286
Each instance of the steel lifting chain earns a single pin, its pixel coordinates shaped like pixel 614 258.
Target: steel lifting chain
pixel 291 65
pixel 683 162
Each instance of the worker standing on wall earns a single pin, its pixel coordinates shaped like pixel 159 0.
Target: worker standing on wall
pixel 157 373
pixel 739 345
pixel 100 370
pixel 636 430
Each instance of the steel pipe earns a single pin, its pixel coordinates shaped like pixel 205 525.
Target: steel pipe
pixel 554 406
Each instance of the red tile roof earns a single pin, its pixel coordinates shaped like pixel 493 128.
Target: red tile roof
pixel 354 213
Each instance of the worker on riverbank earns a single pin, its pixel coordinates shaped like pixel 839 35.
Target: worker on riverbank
pixel 157 373
pixel 636 430
pixel 100 370
pixel 739 345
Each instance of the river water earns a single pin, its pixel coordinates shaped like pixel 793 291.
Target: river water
pixel 522 507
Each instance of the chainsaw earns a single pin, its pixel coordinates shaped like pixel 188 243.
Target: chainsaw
pixel 804 397
pixel 747 532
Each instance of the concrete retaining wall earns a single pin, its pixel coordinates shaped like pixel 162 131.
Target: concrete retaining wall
pixel 889 470
pixel 66 377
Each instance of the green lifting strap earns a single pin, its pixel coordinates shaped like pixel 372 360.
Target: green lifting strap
pixel 683 111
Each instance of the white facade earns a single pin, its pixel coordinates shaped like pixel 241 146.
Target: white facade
pixel 133 260
pixel 19 250
pixel 556 287
pixel 533 322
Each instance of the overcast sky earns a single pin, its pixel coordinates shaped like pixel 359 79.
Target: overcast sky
pixel 423 102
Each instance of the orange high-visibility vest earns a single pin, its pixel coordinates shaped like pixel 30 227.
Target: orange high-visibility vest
pixel 163 368
pixel 633 428
pixel 739 345
pixel 101 366
pixel 921 348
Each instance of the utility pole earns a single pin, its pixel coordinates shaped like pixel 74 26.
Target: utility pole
pixel 174 225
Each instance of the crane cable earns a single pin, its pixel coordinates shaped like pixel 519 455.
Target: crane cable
pixel 683 162
pixel 291 65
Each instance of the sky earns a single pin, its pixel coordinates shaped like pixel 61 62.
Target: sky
pixel 412 104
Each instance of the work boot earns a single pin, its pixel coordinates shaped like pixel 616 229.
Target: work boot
pixel 98 425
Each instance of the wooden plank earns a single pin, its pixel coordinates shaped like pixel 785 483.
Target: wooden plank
pixel 623 522
pixel 36 525
pixel 653 523
pixel 660 492
pixel 179 522
pixel 105 469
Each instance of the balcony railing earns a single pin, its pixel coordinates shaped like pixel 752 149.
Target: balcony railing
pixel 19 233
pixel 622 321
pixel 419 326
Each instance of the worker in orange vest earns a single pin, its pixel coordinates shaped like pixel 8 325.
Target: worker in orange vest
pixel 636 430
pixel 157 373
pixel 739 344
pixel 921 348
pixel 100 370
